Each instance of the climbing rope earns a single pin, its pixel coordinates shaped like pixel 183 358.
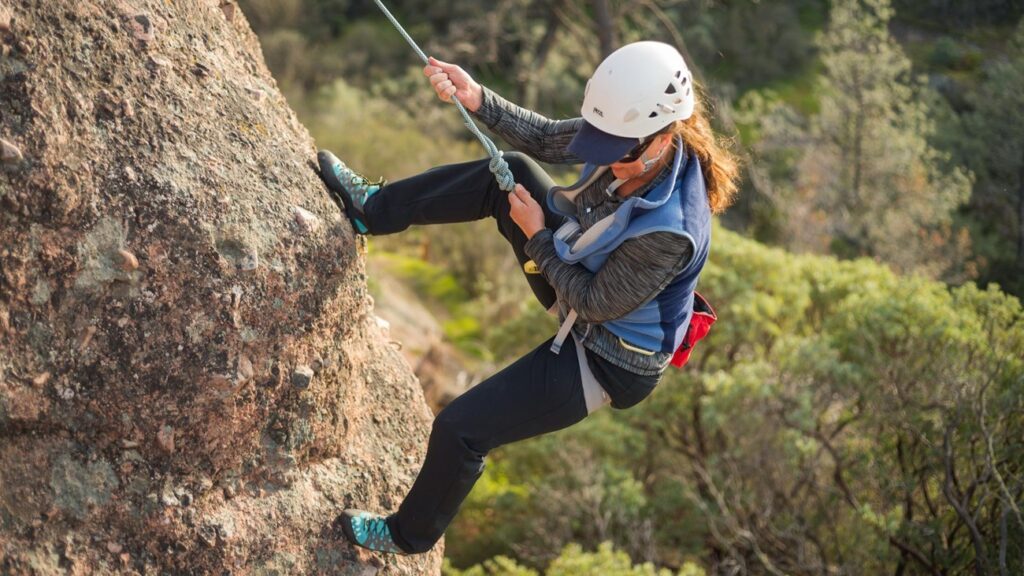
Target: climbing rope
pixel 498 165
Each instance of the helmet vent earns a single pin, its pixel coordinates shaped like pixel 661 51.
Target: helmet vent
pixel 653 115
pixel 679 73
pixel 671 89
pixel 631 115
pixel 683 81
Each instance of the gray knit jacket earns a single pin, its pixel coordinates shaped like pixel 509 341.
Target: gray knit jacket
pixel 634 273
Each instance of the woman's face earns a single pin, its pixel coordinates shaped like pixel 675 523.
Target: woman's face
pixel 633 164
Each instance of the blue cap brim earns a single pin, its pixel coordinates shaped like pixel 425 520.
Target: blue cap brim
pixel 599 147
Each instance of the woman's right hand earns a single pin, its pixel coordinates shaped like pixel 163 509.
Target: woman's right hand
pixel 449 79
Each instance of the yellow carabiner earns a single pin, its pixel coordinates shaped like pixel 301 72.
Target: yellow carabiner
pixel 530 267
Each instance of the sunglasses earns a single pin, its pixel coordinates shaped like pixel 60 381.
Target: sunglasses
pixel 642 147
pixel 635 153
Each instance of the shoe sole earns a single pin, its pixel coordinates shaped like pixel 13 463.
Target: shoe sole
pixel 346 526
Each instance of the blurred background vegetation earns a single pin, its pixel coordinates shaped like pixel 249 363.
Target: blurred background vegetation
pixel 858 408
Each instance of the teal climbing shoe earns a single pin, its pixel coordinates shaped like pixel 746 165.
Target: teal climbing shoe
pixel 352 189
pixel 368 530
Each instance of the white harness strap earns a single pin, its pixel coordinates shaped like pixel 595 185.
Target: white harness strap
pixel 567 232
pixel 593 392
pixel 615 186
pixel 565 197
pixel 570 233
pixel 563 331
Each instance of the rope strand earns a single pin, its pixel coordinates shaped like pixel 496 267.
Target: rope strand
pixel 498 165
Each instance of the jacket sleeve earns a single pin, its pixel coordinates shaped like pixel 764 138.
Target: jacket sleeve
pixel 529 132
pixel 634 273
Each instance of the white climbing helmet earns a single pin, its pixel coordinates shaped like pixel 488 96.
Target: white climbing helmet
pixel 638 90
pixel 635 92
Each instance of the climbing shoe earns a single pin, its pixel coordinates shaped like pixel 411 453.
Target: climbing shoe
pixel 368 530
pixel 352 189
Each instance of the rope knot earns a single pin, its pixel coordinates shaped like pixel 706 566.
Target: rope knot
pixel 499 167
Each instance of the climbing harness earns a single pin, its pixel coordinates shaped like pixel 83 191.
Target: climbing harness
pixel 498 165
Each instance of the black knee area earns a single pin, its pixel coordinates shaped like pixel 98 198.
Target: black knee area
pixel 445 428
pixel 527 172
pixel 518 163
pixel 451 432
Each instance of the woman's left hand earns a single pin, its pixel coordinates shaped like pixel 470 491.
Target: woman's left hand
pixel 525 211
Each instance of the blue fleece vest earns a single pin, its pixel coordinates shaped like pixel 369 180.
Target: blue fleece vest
pixel 678 205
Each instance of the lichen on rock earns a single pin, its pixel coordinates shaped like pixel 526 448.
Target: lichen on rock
pixel 100 260
pixel 79 487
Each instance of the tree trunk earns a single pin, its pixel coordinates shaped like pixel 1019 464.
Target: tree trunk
pixel 533 64
pixel 606 27
pixel 191 378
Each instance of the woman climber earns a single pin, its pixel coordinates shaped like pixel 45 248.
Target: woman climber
pixel 616 256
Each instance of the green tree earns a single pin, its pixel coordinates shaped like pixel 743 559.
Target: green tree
pixel 840 418
pixel 574 561
pixel 609 562
pixel 845 419
pixel 993 149
pixel 959 14
pixel 877 186
pixel 497 566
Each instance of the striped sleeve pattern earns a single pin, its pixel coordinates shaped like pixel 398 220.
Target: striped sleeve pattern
pixel 634 273
pixel 529 132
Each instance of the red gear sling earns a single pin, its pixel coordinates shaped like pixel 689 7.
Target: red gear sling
pixel 700 323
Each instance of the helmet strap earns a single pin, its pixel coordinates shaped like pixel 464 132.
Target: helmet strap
pixel 636 168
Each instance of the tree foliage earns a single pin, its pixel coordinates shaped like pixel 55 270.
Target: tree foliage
pixel 959 13
pixel 994 150
pixel 573 561
pixel 867 174
pixel 840 419
pixel 862 177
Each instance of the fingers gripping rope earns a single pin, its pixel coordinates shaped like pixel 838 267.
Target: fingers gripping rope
pixel 498 165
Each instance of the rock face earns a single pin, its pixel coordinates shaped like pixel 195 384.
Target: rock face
pixel 168 262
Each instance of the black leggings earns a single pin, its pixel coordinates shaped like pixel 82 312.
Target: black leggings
pixel 538 393
pixel 465 192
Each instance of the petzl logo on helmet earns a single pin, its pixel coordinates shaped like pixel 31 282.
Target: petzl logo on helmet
pixel 598 112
